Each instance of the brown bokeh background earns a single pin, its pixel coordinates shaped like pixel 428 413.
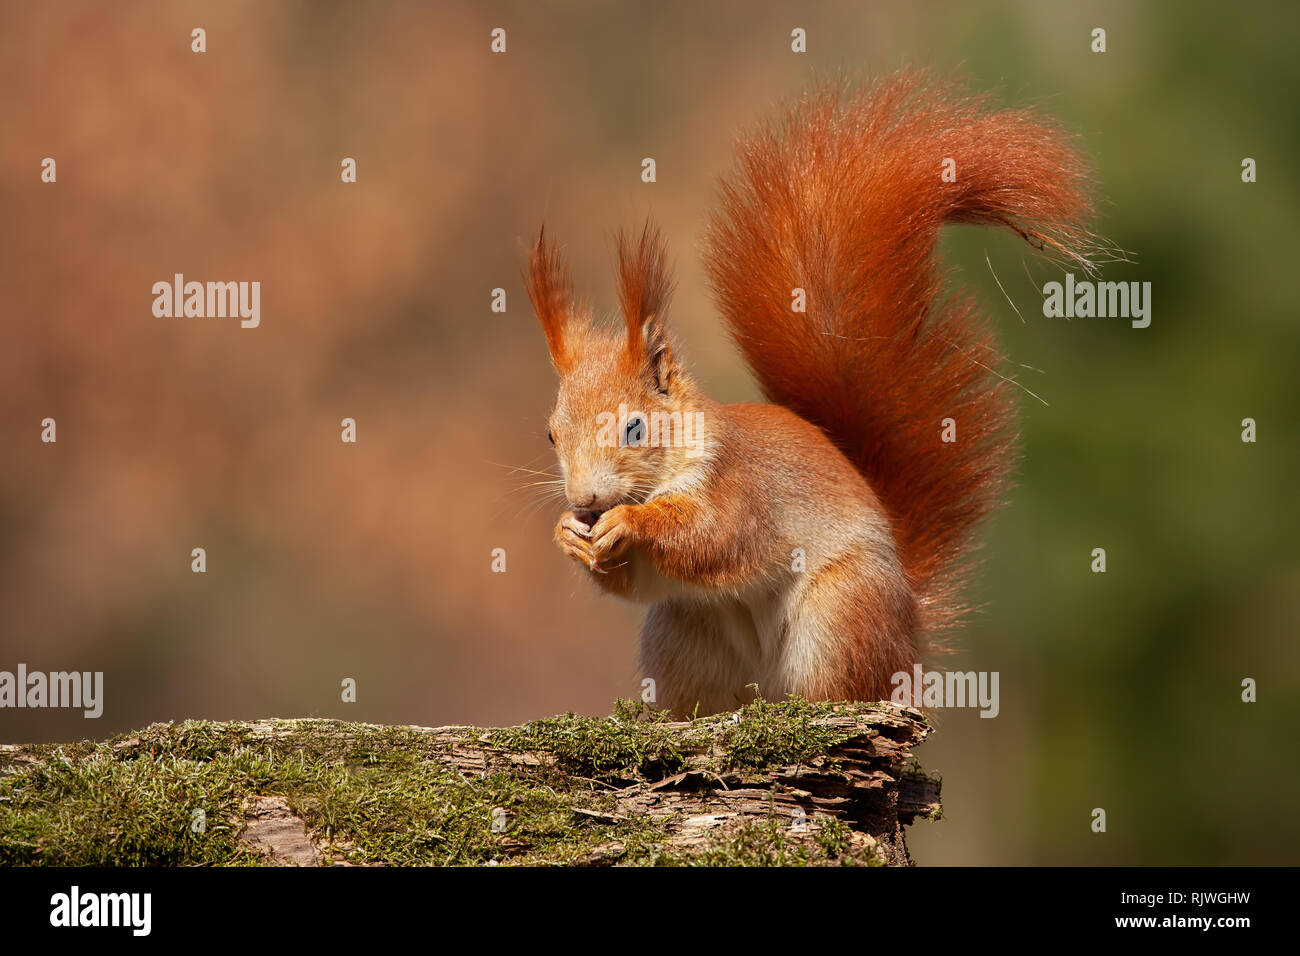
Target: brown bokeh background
pixel 372 561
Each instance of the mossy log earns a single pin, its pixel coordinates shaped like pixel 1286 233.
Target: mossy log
pixel 773 783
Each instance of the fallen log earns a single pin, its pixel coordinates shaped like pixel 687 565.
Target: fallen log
pixel 771 784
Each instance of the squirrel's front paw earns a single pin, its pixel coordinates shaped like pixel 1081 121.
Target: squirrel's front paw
pixel 613 533
pixel 574 538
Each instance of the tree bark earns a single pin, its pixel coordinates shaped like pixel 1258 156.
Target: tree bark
pixel 773 783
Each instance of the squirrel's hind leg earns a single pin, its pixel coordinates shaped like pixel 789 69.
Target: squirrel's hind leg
pixel 851 628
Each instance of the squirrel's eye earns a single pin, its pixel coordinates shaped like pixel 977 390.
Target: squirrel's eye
pixel 549 437
pixel 634 433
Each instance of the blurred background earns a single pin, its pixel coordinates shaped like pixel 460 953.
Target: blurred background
pixel 372 561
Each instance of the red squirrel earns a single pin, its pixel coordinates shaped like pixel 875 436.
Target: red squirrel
pixel 815 545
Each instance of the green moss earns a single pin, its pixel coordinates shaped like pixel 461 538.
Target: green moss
pixel 769 843
pixel 770 733
pixel 387 795
pixel 635 742
pixel 102 810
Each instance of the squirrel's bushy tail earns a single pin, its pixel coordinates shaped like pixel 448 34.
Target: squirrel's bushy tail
pixel 843 197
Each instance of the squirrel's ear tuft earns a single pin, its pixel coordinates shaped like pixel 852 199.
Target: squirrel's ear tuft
pixel 657 354
pixel 550 289
pixel 643 286
pixel 643 291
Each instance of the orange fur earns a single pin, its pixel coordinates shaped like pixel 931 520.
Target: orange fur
pixel 807 545
pixel 843 197
pixel 550 289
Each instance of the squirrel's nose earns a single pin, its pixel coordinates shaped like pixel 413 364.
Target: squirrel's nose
pixel 582 501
